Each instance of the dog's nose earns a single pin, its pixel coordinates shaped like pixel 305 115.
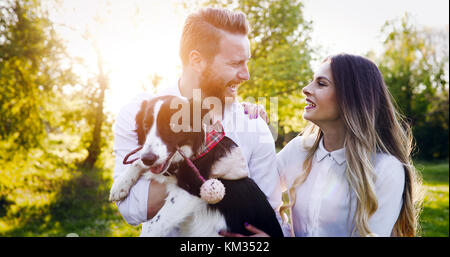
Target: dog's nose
pixel 149 158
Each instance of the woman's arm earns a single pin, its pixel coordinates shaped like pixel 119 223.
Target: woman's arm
pixel 389 187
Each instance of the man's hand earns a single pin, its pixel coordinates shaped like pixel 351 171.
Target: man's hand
pixel 157 194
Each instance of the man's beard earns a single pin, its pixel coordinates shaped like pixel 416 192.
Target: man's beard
pixel 213 85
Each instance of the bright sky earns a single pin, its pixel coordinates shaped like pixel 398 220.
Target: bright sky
pixel 354 26
pixel 141 38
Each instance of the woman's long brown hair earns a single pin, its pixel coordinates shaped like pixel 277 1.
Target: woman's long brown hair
pixel 373 126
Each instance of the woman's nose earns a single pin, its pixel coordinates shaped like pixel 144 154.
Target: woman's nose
pixel 306 90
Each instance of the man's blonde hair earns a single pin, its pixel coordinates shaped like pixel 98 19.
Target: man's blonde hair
pixel 203 29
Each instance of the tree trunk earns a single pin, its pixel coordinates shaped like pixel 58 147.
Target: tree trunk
pixel 94 149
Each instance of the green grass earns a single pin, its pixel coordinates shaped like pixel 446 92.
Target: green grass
pixel 50 195
pixel 78 205
pixel 435 216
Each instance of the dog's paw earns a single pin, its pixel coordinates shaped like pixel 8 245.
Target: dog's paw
pixel 119 190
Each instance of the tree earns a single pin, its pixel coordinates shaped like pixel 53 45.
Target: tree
pixel 281 55
pixel 98 100
pixel 89 111
pixel 32 73
pixel 414 63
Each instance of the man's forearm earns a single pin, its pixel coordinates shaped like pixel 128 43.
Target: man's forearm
pixel 156 198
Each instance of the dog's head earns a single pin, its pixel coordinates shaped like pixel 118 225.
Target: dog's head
pixel 164 124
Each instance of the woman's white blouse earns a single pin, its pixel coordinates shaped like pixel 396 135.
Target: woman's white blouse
pixel 325 205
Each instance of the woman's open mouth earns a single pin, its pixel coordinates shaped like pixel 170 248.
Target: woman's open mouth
pixel 310 104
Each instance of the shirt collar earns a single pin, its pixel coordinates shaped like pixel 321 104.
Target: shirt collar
pixel 338 155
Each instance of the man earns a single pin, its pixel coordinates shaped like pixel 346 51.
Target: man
pixel 214 50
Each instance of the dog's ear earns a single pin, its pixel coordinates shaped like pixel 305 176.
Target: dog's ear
pixel 140 122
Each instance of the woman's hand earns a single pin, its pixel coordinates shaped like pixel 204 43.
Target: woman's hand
pixel 257 232
pixel 255 110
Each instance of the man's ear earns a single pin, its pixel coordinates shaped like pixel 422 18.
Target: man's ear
pixel 197 61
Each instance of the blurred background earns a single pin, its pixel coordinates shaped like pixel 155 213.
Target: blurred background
pixel 67 66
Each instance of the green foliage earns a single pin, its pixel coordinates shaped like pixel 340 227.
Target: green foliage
pixel 414 64
pixel 38 95
pixel 31 73
pixel 46 124
pixel 46 193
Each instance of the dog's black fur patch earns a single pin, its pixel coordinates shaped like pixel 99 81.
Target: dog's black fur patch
pixel 243 201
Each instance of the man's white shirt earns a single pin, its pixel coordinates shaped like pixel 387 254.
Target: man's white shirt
pixel 252 136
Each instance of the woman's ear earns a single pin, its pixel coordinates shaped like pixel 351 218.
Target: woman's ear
pixel 140 122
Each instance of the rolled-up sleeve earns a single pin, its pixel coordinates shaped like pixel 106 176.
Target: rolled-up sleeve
pixel 134 207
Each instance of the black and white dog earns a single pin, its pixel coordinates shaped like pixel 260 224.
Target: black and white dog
pixel 183 208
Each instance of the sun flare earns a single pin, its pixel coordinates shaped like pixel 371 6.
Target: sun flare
pixel 136 41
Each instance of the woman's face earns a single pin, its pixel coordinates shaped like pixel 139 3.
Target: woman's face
pixel 322 106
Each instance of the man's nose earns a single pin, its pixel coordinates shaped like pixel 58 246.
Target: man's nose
pixel 149 158
pixel 244 74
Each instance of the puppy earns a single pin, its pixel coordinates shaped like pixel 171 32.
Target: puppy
pixel 161 160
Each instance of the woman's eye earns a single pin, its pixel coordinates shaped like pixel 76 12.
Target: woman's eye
pixel 321 84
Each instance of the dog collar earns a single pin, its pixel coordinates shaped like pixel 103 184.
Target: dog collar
pixel 213 137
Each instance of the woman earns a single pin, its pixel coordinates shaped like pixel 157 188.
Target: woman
pixel 350 173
